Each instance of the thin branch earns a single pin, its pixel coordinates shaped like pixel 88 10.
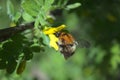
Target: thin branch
pixel 8 32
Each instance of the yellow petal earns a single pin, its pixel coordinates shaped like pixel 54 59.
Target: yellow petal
pixel 53 40
pixel 53 30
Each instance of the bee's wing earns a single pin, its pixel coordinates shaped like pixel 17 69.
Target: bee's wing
pixel 83 43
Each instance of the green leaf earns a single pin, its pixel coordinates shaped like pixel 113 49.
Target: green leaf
pixel 31 7
pixel 19 39
pixel 65 3
pixel 28 53
pixel 42 20
pixel 115 49
pixel 12 48
pixel 10 9
pixel 40 2
pixel 21 67
pixel 46 39
pixel 29 56
pixel 48 2
pixel 73 6
pixel 3 55
pixel 11 66
pixel 27 17
pixel 37 22
pixel 3 64
pixel 47 6
pixel 35 48
pixel 17 16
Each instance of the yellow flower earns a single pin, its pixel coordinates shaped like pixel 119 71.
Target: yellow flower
pixel 53 39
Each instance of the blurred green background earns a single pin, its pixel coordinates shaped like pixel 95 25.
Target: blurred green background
pixel 95 21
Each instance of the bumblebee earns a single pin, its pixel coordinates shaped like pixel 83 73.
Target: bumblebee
pixel 67 44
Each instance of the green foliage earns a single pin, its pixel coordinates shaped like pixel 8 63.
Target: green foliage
pixel 27 17
pixel 115 60
pixel 11 51
pixel 11 65
pixel 45 39
pixel 15 16
pixel 38 11
pixel 73 6
pixel 10 9
pixel 23 45
pixel 95 21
